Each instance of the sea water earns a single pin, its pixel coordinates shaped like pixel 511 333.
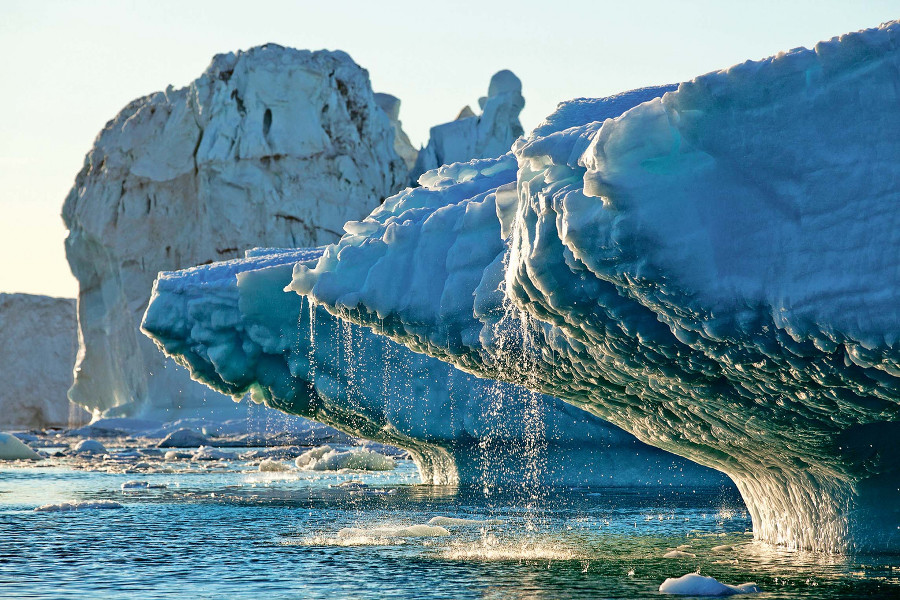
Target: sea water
pixel 223 529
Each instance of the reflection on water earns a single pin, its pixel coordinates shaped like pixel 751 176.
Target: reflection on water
pixel 230 531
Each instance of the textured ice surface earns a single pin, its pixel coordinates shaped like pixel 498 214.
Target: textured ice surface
pixel 38 341
pixel 270 146
pixel 694 584
pixel 715 271
pixel 237 330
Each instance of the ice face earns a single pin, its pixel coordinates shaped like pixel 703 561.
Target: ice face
pixel 38 342
pixel 237 330
pixel 715 271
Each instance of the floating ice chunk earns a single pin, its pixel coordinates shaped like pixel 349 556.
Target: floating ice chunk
pixel 78 505
pixel 184 438
pixel 723 548
pixel 311 456
pixel 694 584
pixel 325 458
pixel 207 453
pixel 135 484
pixel 273 466
pixel 175 455
pixel 12 448
pixel 394 532
pixel 455 522
pixel 679 554
pixel 89 447
pixel 272 453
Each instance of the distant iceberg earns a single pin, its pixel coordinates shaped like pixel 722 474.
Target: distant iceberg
pixel 715 271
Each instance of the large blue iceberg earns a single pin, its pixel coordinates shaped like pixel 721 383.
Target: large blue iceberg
pixel 716 271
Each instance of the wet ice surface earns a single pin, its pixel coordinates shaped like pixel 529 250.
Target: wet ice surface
pixel 222 528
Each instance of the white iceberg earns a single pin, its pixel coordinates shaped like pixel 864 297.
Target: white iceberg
pixel 269 146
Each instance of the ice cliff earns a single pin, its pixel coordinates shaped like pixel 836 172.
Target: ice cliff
pixel 271 146
pixel 487 135
pixel 715 271
pixel 402 146
pixel 38 341
pixel 237 330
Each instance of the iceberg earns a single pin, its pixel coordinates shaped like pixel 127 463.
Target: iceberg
pixel 714 270
pixel 270 146
pixel 236 329
pixel 38 342
pixel 469 136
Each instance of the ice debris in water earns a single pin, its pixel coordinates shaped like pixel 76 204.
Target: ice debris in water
pixel 142 485
pixel 208 453
pixel 694 584
pixel 273 466
pixel 184 438
pixel 12 448
pixel 678 554
pixel 394 532
pixel 456 522
pixel 326 458
pixel 89 447
pixel 78 505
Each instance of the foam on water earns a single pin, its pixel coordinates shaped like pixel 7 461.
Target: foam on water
pixel 490 547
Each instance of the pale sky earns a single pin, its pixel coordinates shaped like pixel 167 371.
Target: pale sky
pixel 70 66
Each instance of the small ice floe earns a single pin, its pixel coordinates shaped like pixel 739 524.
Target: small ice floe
pixel 723 548
pixel 184 438
pixel 143 485
pixel 76 505
pixel 455 522
pixel 130 485
pixel 209 453
pixel 326 458
pixel 177 455
pixel 12 448
pixel 89 446
pixel 679 554
pixel 273 466
pixel 412 531
pixel 694 584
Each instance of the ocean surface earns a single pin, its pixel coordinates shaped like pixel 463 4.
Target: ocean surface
pixel 223 529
